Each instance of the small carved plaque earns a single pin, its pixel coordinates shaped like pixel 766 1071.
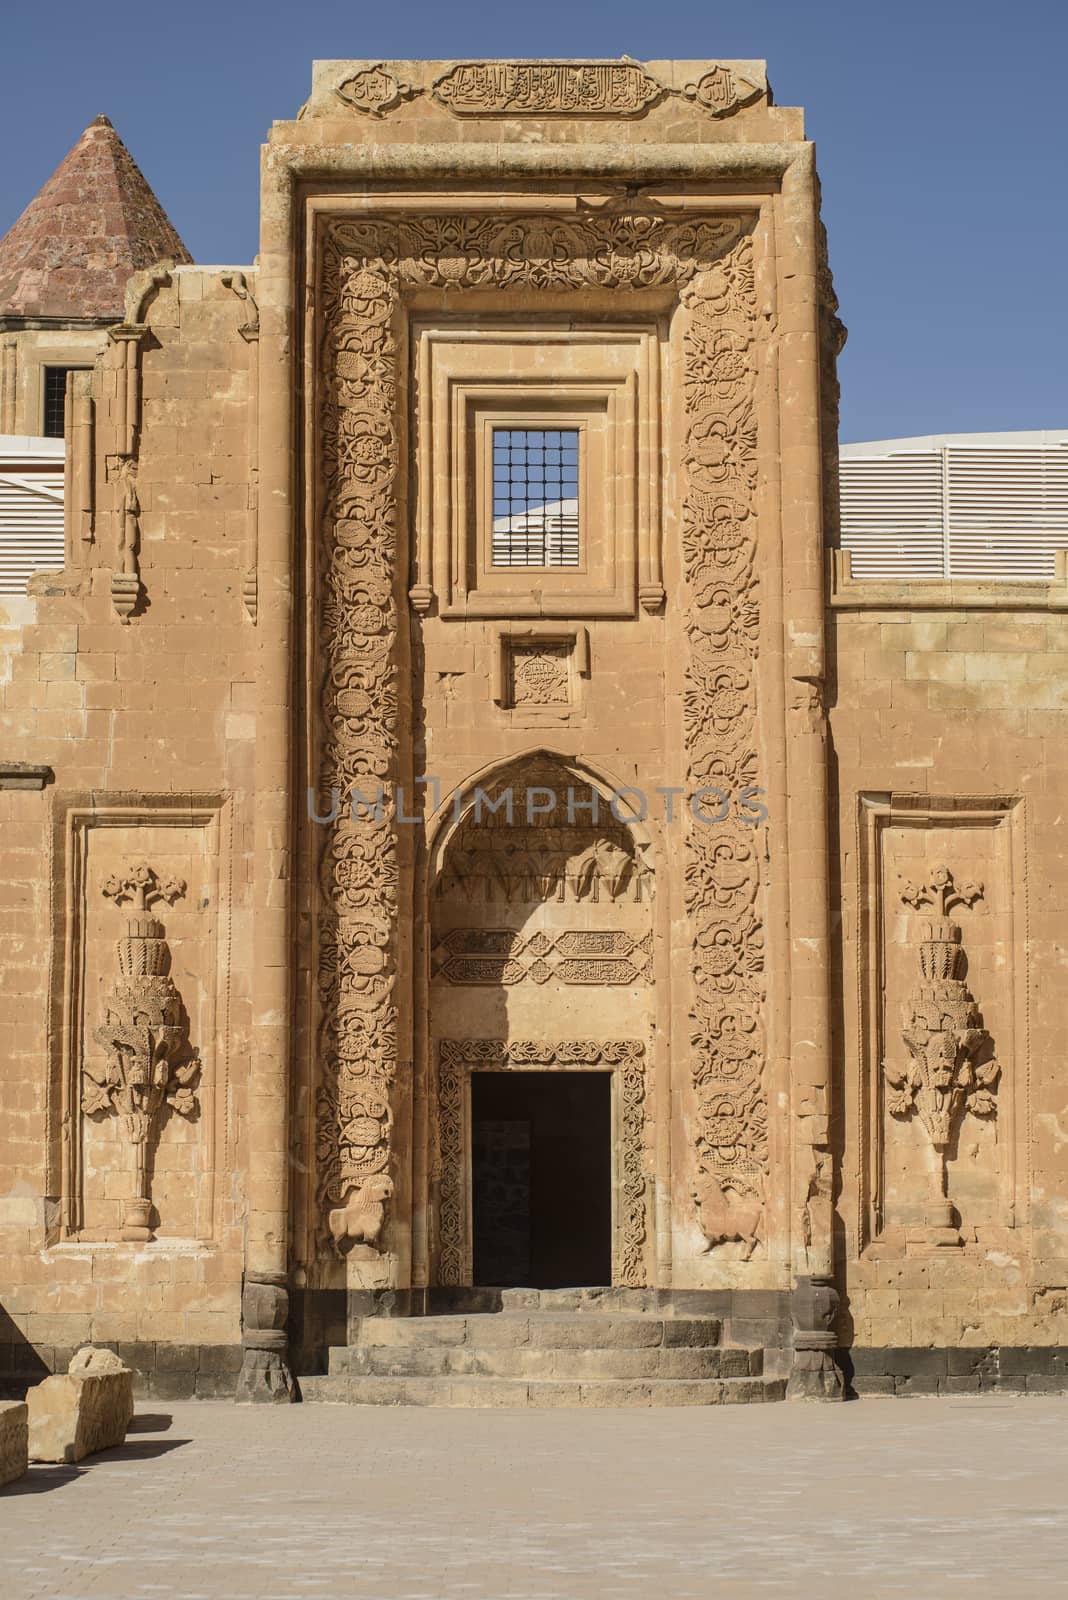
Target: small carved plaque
pixel 540 675
pixel 374 90
pixel 722 91
pixel 548 88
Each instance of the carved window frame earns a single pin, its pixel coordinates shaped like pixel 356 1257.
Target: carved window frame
pixel 604 380
pixel 632 1222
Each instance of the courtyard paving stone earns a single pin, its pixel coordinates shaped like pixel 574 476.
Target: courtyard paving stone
pixel 925 1498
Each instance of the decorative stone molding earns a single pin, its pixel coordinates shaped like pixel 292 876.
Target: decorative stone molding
pixel 722 873
pixel 458 1058
pixel 620 88
pixel 951 1068
pixel 548 88
pixel 366 265
pixel 149 1060
pixel 250 332
pixel 580 956
pixel 24 775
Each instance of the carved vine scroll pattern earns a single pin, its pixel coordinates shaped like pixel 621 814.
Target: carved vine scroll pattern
pixel 723 876
pixel 365 266
pixel 460 1057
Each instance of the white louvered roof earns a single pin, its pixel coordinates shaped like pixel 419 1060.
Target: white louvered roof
pixel 956 506
pixel 31 508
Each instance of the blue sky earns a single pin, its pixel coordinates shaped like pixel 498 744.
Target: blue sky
pixel 940 129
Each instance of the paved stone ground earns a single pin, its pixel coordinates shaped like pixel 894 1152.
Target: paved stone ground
pixel 929 1499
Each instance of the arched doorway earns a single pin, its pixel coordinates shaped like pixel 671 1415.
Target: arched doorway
pixel 540 1021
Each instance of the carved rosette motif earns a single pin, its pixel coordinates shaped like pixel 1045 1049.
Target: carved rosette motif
pixel 365 268
pixel 460 1057
pixel 722 873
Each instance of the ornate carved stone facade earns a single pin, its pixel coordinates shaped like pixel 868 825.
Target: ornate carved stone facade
pixel 461 833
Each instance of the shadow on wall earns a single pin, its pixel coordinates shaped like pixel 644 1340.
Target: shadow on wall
pixel 23 1364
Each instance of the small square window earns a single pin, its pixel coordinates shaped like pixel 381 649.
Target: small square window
pixel 535 497
pixel 55 397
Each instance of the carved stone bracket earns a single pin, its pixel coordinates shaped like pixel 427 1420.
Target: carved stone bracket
pixel 366 266
pixel 951 1069
pixel 149 1062
pixel 632 1226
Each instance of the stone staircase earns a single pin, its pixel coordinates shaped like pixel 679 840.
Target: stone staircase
pixel 545 1348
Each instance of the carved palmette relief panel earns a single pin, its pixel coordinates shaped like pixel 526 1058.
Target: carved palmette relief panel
pixel 943 1019
pixel 141 1029
pixel 365 268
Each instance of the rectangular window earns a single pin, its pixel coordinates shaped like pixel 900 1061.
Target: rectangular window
pixel 535 497
pixel 55 393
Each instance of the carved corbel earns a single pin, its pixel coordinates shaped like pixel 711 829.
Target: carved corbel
pixel 126 578
pixel 149 1062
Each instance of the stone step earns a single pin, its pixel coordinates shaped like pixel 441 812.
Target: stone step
pixel 541 1330
pixel 616 1301
pixel 537 1361
pixel 480 1392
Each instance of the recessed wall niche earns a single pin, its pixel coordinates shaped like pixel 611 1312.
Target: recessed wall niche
pixel 599 384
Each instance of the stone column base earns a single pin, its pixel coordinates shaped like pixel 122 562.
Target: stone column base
pixel 265 1378
pixel 814 1375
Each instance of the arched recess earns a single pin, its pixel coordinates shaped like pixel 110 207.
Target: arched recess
pixel 539 953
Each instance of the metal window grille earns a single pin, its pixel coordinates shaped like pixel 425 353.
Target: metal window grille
pixel 55 397
pixel 535 497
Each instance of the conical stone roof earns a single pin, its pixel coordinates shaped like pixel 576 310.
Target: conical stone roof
pixel 95 221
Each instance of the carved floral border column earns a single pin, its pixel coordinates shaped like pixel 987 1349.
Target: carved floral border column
pixel 723 887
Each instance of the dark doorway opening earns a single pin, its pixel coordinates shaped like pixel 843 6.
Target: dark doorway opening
pixel 541 1160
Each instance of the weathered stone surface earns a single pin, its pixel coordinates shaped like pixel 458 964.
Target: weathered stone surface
pixel 94 223
pixel 648 237
pixel 14 1440
pixel 74 1416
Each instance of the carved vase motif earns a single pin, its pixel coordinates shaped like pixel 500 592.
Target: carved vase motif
pixel 149 1063
pixel 951 1069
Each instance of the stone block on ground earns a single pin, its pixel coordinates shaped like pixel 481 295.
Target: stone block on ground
pixel 14 1440
pixel 85 1410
